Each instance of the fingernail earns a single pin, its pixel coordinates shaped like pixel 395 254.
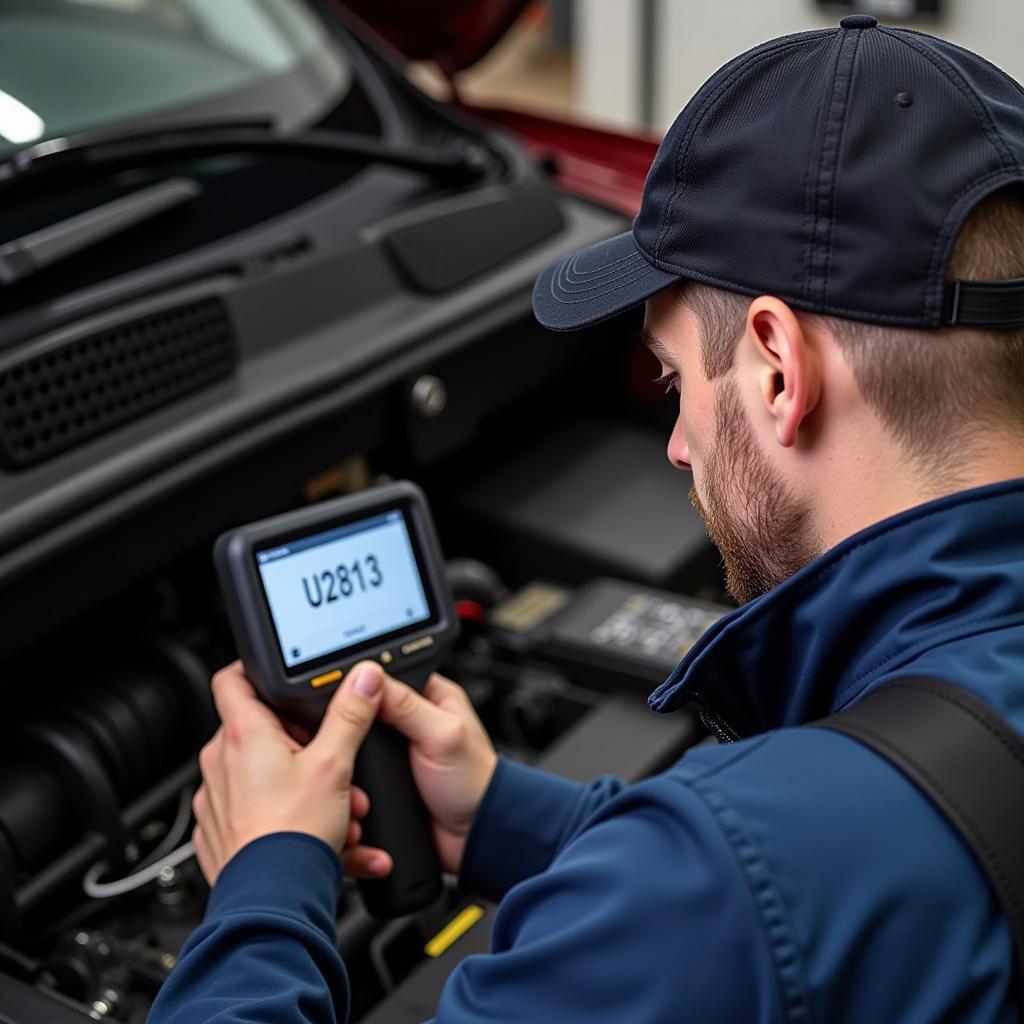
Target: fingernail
pixel 368 680
pixel 377 865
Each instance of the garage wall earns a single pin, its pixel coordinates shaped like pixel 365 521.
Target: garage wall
pixel 692 39
pixel 609 68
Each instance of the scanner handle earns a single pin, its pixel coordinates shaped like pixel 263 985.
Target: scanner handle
pixel 398 821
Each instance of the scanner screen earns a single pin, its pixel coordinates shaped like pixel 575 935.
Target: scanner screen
pixel 335 590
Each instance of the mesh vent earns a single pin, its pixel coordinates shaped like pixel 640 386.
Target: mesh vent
pixel 55 401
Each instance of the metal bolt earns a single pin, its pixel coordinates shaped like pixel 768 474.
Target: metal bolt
pixel 106 1005
pixel 429 396
pixel 167 876
pixel 170 887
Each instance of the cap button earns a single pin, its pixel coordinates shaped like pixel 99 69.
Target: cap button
pixel 858 21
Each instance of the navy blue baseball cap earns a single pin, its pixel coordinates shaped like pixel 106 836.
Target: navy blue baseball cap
pixel 832 169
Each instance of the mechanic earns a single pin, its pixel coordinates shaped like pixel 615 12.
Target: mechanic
pixel 856 454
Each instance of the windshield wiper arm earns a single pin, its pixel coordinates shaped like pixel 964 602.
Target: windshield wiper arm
pixel 29 254
pixel 82 153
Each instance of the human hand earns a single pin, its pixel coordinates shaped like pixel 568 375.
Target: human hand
pixel 258 778
pixel 452 761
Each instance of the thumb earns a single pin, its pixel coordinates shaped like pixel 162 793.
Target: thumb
pixel 419 720
pixel 351 711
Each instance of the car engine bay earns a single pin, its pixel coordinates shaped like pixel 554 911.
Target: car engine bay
pixel 156 390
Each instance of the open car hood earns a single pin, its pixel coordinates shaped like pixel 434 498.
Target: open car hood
pixel 454 33
pixel 605 166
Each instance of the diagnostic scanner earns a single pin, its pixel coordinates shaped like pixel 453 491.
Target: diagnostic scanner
pixel 311 593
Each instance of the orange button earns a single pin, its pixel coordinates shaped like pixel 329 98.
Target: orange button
pixel 327 677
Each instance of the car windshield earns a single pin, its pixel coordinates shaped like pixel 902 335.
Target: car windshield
pixel 68 66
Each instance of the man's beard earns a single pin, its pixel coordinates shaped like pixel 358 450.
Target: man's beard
pixel 760 528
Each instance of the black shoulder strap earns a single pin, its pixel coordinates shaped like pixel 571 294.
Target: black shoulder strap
pixel 969 761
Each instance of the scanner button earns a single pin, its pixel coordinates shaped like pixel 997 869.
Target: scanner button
pixel 327 677
pixel 417 645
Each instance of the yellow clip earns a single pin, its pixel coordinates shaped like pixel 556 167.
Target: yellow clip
pixel 454 930
pixel 327 677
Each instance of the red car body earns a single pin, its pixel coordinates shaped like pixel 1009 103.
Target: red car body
pixel 587 161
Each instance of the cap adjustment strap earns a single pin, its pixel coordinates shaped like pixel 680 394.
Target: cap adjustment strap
pixel 984 303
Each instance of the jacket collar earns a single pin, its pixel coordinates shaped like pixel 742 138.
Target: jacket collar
pixel 878 599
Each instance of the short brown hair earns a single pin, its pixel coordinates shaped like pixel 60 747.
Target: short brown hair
pixel 919 381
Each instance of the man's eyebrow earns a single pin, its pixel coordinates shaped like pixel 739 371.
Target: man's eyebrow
pixel 656 345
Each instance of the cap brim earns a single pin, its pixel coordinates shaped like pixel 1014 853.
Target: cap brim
pixel 596 283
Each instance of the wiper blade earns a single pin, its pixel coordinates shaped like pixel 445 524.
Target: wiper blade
pixel 29 254
pixel 83 153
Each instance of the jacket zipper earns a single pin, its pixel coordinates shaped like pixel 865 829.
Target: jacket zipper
pixel 717 726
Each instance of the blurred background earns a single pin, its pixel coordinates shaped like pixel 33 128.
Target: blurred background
pixel 634 63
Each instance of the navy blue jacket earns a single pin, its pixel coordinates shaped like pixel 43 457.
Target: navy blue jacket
pixel 792 876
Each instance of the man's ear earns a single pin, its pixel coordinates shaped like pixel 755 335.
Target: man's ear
pixel 787 365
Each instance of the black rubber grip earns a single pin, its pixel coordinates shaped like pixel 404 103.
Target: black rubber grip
pixel 397 822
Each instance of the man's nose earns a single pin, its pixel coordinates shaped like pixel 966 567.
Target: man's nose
pixel 678 449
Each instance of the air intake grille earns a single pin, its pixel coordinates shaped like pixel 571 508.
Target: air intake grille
pixel 56 400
